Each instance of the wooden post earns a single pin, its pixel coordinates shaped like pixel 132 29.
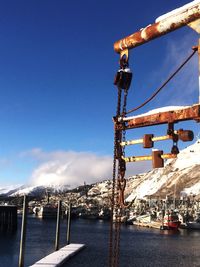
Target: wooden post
pixel 58 226
pixel 23 233
pixel 68 223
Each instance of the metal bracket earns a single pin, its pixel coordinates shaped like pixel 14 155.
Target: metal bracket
pixel 124 53
pixel 195 25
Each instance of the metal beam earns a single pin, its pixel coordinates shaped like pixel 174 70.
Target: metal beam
pixel 148 157
pixel 174 116
pixel 140 141
pixel 175 20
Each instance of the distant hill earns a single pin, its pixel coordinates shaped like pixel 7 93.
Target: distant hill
pixel 180 176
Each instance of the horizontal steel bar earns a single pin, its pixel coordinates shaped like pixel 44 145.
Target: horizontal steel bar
pixel 173 116
pixel 131 142
pixel 140 141
pixel 176 20
pixel 148 157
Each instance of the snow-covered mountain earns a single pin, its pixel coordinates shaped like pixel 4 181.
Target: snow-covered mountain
pixel 9 190
pixel 32 190
pixel 180 176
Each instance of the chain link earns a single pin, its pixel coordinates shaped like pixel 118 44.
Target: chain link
pixel 112 248
pixel 116 209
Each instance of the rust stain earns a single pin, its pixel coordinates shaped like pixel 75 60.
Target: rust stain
pixel 158 29
pixel 190 113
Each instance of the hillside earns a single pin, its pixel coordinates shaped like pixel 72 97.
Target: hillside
pixel 180 176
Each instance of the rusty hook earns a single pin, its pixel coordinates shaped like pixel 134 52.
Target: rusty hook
pixel 122 186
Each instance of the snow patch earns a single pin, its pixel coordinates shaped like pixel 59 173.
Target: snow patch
pixel 155 111
pixel 178 10
pixel 193 190
pixel 188 157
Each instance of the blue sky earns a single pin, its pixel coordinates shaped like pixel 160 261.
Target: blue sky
pixel 56 80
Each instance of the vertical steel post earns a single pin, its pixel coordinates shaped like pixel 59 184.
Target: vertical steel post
pixel 58 226
pixel 163 214
pixel 68 223
pixel 175 196
pixel 199 66
pixel 23 233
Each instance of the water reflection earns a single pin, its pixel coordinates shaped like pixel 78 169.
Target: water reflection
pixel 139 246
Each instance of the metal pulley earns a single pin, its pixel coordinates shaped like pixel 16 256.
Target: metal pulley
pixel 123 78
pixel 124 75
pixel 174 149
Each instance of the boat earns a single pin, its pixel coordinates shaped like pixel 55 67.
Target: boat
pixel 146 221
pixel 171 220
pixel 194 224
pixel 47 211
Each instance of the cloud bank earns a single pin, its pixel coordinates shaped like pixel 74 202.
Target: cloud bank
pixel 183 88
pixel 70 168
pixel 74 168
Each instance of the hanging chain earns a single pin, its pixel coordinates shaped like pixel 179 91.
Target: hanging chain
pixel 124 114
pixel 118 208
pixel 122 80
pixel 112 252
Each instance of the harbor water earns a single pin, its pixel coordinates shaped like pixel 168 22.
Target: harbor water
pixel 139 246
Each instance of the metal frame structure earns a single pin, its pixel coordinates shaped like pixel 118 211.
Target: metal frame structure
pixel 188 15
pixel 174 116
pixel 163 25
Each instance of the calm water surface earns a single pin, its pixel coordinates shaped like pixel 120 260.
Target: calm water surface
pixel 140 247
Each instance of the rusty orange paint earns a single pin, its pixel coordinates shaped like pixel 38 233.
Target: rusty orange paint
pixel 148 157
pixel 174 116
pixel 158 29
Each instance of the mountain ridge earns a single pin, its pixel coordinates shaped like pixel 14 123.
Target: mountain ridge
pixel 179 176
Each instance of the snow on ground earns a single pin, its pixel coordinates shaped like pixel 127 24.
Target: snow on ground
pixel 188 157
pixel 7 189
pixel 103 187
pixel 157 178
pixel 24 191
pixel 194 190
pixel 146 184
pixel 153 182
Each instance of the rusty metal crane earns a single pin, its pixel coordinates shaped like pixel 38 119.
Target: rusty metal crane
pixel 187 15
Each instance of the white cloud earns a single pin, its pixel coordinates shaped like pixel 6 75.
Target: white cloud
pixel 74 168
pixel 70 168
pixel 183 88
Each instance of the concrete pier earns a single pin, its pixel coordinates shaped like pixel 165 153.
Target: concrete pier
pixel 59 257
pixel 8 218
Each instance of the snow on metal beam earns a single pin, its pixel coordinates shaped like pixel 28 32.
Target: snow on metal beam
pixel 173 116
pixel 163 25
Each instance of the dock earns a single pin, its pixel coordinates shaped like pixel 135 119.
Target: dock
pixel 156 225
pixel 60 256
pixel 8 217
